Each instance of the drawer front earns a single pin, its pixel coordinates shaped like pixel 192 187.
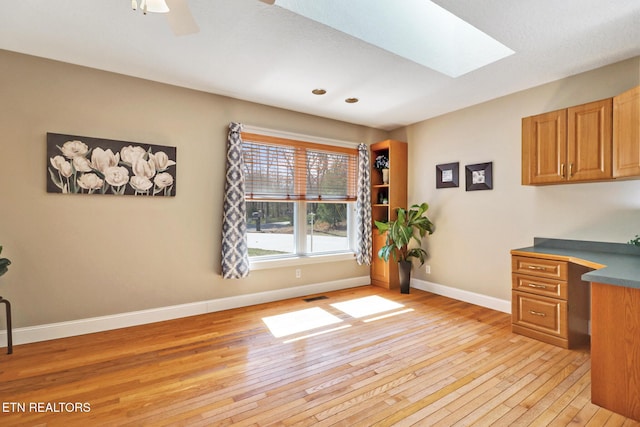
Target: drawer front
pixel 540 286
pixel 540 267
pixel 548 315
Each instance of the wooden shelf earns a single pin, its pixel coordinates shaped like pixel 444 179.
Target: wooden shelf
pixel 385 274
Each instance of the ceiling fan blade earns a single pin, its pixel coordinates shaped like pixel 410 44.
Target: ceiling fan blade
pixel 180 18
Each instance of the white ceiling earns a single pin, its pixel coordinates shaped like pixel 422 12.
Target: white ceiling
pixel 249 50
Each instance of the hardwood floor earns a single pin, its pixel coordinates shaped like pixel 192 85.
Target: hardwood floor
pixel 439 362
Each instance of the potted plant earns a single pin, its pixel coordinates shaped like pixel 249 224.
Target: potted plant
pixel 382 164
pixel 4 267
pixel 4 264
pixel 412 224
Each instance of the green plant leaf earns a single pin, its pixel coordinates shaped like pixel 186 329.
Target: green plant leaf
pixel 4 264
pixel 410 225
pixel 418 253
pixel 382 226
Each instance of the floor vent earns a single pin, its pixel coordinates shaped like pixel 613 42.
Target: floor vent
pixel 315 298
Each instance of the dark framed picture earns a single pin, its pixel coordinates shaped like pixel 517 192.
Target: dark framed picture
pixel 479 176
pixel 447 175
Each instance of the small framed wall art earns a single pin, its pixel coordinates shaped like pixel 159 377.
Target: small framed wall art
pixel 479 176
pixel 447 175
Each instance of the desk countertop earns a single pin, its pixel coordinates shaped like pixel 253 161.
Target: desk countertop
pixel 613 263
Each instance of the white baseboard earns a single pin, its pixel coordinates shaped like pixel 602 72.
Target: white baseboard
pixel 122 320
pixel 462 295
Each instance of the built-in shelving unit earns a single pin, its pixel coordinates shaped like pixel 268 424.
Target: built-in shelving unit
pixel 385 199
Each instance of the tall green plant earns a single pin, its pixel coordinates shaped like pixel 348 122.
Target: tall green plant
pixel 4 264
pixel 411 224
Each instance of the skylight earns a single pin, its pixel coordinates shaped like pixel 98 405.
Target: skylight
pixel 418 30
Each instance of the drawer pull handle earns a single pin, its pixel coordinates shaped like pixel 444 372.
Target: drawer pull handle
pixel 537 313
pixel 535 267
pixel 533 285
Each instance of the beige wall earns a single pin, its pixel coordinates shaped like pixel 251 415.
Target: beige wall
pixel 76 257
pixel 82 256
pixel 476 230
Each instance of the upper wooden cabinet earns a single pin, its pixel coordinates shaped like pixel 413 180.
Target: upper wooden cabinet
pixel 626 133
pixel 544 147
pixel 598 141
pixel 568 145
pixel 589 139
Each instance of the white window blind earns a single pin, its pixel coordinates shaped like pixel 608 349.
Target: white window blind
pixel 285 169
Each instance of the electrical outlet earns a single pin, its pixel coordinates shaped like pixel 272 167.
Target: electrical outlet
pixel 298 273
pixel 427 269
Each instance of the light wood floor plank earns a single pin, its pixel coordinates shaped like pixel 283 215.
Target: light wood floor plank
pixel 445 363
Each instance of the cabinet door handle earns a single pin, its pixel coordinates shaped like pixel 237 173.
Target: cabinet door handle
pixel 562 170
pixel 533 285
pixel 570 170
pixel 535 267
pixel 537 313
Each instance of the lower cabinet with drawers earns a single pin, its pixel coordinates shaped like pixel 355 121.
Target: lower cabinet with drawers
pixel 550 302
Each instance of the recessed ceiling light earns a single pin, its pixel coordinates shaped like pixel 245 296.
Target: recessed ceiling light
pixel 351 100
pixel 318 91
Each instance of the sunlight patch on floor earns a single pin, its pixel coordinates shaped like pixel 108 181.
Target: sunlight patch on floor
pixel 367 306
pixel 299 321
pixel 324 331
pixel 384 316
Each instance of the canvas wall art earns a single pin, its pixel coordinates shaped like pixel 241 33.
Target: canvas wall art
pixel 86 165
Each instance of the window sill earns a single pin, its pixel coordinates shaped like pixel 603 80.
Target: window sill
pixel 265 264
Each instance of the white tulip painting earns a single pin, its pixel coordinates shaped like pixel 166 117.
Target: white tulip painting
pixel 85 165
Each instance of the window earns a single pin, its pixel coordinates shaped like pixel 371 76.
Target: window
pixel 270 228
pixel 300 197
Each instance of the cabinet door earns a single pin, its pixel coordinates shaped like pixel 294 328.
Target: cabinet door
pixel 379 268
pixel 544 142
pixel 589 141
pixel 626 133
pixel 538 313
pixel 384 274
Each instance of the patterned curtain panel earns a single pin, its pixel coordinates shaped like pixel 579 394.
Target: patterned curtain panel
pixel 235 256
pixel 363 207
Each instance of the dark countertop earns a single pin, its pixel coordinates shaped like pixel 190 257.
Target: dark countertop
pixel 613 263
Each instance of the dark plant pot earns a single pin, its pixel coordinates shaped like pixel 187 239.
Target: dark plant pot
pixel 404 273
